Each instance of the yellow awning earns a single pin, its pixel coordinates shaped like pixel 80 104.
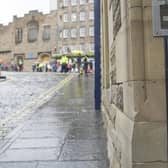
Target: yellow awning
pixel 77 52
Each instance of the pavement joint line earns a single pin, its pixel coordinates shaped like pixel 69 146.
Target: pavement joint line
pixel 26 110
pixel 15 134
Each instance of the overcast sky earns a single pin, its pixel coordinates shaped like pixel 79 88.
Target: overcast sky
pixel 8 8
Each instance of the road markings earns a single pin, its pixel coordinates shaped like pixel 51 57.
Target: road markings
pixel 12 120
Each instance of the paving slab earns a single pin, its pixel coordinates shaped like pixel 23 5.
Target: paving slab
pixel 55 115
pixel 86 133
pixel 59 133
pixel 51 119
pixel 18 165
pixel 83 150
pixel 37 143
pixel 84 164
pixel 43 127
pixel 59 123
pixel 25 155
pixel 21 88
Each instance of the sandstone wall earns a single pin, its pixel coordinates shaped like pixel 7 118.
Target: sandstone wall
pixel 134 102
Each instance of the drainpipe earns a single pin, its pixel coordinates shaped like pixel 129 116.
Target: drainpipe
pixel 166 80
pixel 97 55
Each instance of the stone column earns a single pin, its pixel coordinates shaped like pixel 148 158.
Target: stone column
pixel 149 141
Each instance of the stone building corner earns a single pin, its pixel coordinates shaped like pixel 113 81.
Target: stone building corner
pixel 133 86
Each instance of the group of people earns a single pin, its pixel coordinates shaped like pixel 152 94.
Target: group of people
pixel 41 67
pixel 17 67
pixel 65 65
pixel 11 67
pixel 76 65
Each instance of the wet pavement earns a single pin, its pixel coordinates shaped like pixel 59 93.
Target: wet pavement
pixel 65 132
pixel 20 88
pixel 22 93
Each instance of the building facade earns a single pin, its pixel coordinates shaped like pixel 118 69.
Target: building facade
pixel 133 86
pixel 38 37
pixel 30 39
pixel 75 25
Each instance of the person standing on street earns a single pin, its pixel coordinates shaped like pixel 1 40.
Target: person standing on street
pixel 85 67
pixel 79 63
pixel 20 65
pixel 64 62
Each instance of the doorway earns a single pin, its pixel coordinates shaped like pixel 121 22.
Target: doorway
pixel 19 60
pixel 44 58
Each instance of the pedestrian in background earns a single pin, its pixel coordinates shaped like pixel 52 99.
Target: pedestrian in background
pixel 20 65
pixel 34 67
pixel 79 63
pixel 85 67
pixel 64 62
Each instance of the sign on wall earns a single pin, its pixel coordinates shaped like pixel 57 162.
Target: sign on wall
pixel 160 17
pixel 30 55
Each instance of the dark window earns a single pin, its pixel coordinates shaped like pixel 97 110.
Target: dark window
pixel 164 16
pixel 46 32
pixel 32 31
pixel 18 35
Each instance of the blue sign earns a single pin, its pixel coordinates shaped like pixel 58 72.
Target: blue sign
pixel 30 55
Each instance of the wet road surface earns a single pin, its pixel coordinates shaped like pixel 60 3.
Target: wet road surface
pixel 22 93
pixel 65 132
pixel 20 88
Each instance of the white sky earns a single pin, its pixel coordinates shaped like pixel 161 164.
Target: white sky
pixel 9 8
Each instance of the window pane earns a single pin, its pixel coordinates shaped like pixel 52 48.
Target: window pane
pixel 73 2
pixel 32 31
pixel 46 33
pixel 82 2
pixel 91 31
pixel 66 33
pixel 91 1
pixel 82 16
pixel 74 17
pixel 82 32
pixel 65 49
pixel 73 33
pixel 66 2
pixel 18 35
pixel 92 47
pixel 66 17
pixel 91 15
